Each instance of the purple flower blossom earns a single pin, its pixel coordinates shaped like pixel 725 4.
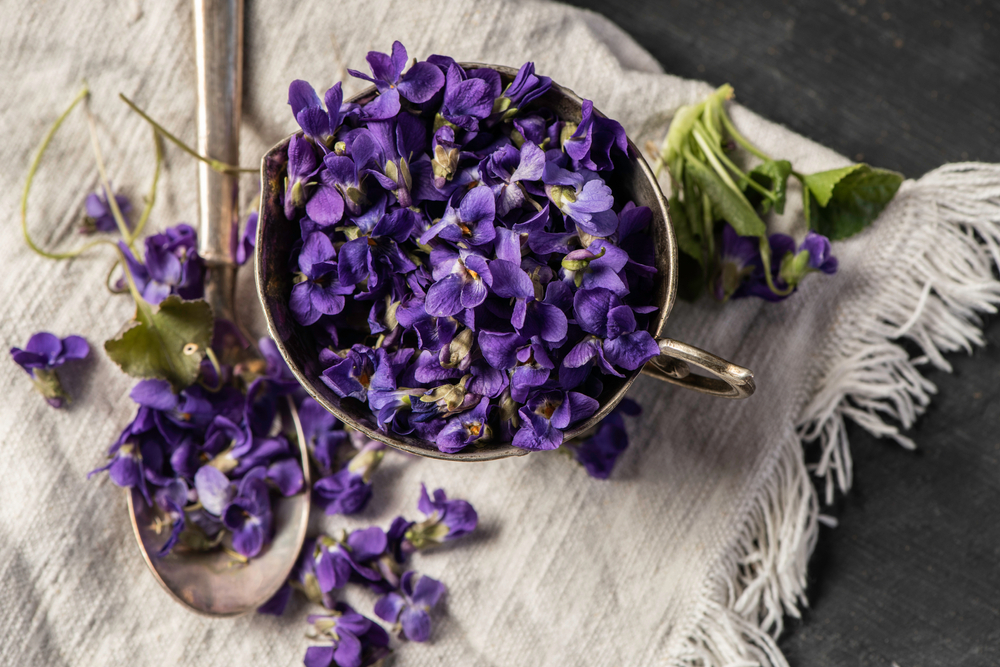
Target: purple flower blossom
pixel 410 607
pixel 466 428
pixel 248 515
pixel 504 170
pixel 319 291
pixel 100 217
pixel 336 559
pixel 446 520
pixel 465 287
pixel 42 355
pixel 418 85
pixel 547 414
pixel 741 270
pixel 301 168
pixel 595 138
pixel 526 87
pixel 172 498
pixel 467 100
pixel 243 249
pixel 471 222
pixel 349 490
pixel 582 196
pixel 599 453
pixel 172 265
pixel 318 123
pixel 356 640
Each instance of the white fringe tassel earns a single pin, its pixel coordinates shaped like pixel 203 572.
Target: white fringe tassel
pixel 936 303
pixel 764 577
pixel 954 217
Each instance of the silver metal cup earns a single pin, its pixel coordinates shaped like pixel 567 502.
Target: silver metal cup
pixel 631 179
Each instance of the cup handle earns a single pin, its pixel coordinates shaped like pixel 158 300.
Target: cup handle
pixel 730 381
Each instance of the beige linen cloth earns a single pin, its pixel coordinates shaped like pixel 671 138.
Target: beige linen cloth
pixel 691 554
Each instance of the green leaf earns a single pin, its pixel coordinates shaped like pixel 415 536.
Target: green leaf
pixel 688 239
pixel 822 183
pixel 166 342
pixel 773 175
pixel 727 203
pixel 855 202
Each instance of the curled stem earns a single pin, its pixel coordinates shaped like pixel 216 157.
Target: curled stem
pixel 116 212
pixel 107 281
pixel 33 169
pixel 217 165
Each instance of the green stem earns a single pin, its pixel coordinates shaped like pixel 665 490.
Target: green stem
pixel 714 161
pixel 33 169
pixel 107 281
pixel 116 212
pixel 739 172
pixel 740 139
pixel 765 255
pixel 806 198
pixel 210 353
pixel 217 165
pixel 151 197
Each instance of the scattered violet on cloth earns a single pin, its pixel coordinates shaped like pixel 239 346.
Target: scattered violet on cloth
pixel 700 482
pixel 100 217
pixel 45 352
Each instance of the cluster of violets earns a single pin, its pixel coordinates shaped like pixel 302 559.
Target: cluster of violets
pixel 461 257
pixel 377 559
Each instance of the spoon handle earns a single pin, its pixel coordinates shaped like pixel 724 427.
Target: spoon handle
pixel 219 54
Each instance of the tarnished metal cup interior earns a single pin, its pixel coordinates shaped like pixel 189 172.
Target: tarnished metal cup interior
pixel 631 180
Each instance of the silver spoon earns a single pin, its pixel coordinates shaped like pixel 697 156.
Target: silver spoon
pixel 213 583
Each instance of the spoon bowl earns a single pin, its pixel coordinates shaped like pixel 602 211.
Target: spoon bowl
pixel 214 583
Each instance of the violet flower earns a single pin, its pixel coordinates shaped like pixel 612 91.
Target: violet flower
pixel 249 516
pixel 172 265
pixel 471 222
pixel 524 89
pixel 337 559
pixel 42 355
pixel 465 287
pixel 301 168
pixel 410 607
pixel 466 428
pixel 349 490
pixel 504 170
pixel 445 520
pixel 547 414
pixel 319 291
pixel 582 196
pixel 418 85
pixel 100 217
pixel 356 640
pixel 467 100
pixel 172 498
pixel 595 137
pixel 599 453
pixel 318 123
pixel 600 312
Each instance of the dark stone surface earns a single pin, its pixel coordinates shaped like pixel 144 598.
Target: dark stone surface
pixel 912 574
